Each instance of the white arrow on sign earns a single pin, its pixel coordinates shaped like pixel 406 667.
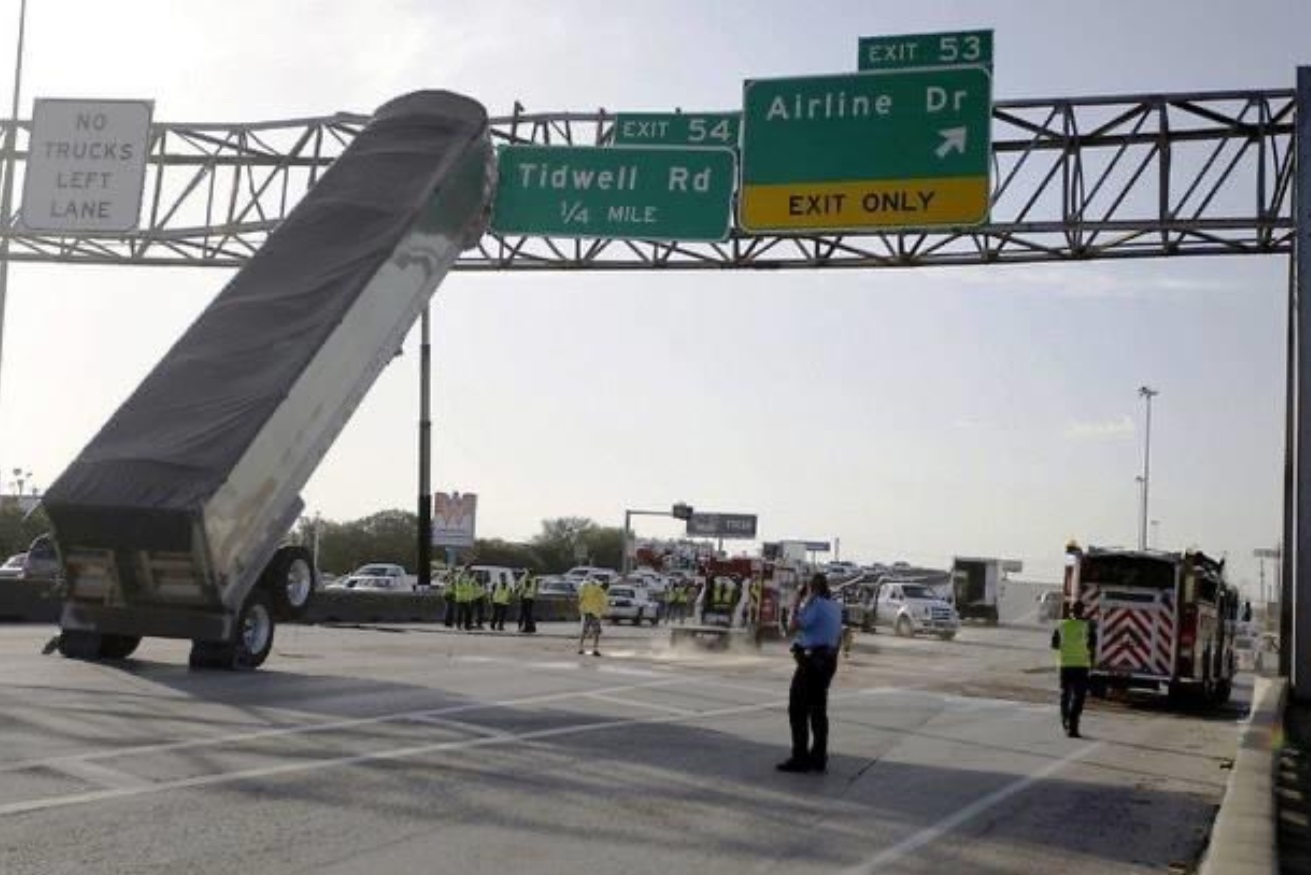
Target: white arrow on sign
pixel 953 140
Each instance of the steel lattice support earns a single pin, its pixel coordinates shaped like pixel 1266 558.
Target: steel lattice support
pixel 1100 177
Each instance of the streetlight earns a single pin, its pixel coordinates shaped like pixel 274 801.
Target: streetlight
pixel 1147 393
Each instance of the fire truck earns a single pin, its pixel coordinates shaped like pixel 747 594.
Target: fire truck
pixel 1165 621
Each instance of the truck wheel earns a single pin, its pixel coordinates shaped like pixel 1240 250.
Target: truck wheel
pixel 255 627
pixel 289 579
pixel 77 644
pixel 904 628
pixel 118 646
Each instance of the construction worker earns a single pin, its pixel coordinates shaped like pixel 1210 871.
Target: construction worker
pixel 464 596
pixel 591 605
pixel 1075 639
pixel 817 624
pixel 677 603
pixel 448 593
pixel 479 599
pixel 500 603
pixel 527 600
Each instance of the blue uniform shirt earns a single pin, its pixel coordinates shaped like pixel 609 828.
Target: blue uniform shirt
pixel 819 624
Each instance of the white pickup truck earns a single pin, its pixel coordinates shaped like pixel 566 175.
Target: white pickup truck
pixel 915 609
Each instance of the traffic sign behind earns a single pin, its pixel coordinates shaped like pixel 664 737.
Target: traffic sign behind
pixel 677 129
pixel 644 193
pixel 926 50
pixel 904 149
pixel 722 525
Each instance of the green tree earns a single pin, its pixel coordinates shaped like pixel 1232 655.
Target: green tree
pixel 386 536
pixel 494 551
pixel 564 539
pixel 17 530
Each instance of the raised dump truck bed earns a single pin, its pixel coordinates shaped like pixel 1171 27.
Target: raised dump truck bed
pixel 169 522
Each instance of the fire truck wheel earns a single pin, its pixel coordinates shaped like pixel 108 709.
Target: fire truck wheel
pixel 118 646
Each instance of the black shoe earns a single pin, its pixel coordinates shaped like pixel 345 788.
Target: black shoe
pixel 819 764
pixel 792 764
pixel 596 653
pixel 1074 733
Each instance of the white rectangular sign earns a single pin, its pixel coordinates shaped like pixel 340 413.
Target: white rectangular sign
pixel 86 165
pixel 454 517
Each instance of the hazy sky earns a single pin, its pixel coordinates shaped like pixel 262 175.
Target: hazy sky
pixel 914 414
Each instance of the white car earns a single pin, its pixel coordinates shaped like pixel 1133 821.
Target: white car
pixel 915 609
pixel 377 577
pixel 579 573
pixel 13 567
pixel 631 603
pixel 838 572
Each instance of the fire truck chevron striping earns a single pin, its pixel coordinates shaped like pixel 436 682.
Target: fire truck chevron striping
pixel 1165 621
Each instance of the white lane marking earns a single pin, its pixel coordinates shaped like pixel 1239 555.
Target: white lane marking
pixel 307 728
pixel 462 725
pixel 632 703
pixel 303 767
pixel 100 776
pixel 932 833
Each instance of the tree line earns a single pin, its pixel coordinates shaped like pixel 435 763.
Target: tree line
pixel 390 536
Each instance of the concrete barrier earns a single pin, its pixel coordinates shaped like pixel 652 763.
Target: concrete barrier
pixel 348 606
pixel 29 601
pixel 1244 840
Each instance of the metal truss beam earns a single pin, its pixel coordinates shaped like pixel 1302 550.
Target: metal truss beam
pixel 1079 178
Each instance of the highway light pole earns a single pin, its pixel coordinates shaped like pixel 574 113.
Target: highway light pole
pixel 1147 394
pixel 11 161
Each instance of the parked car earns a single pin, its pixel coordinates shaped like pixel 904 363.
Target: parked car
pixel 556 588
pixel 377 577
pixel 631 603
pixel 42 562
pixel 13 567
pixel 579 573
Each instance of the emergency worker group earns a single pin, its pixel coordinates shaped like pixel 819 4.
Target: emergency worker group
pixel 469 601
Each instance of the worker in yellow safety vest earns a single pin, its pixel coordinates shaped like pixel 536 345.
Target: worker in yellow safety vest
pixel 527 601
pixel 1075 640
pixel 591 605
pixel 500 603
pixel 464 595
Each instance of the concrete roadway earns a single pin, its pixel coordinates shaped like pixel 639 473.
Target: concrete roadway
pixel 414 749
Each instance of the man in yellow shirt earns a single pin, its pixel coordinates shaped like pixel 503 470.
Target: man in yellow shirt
pixel 591 605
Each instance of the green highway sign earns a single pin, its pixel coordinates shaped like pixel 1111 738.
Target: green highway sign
pixel 677 129
pixel 926 50
pixel 643 193
pixel 903 149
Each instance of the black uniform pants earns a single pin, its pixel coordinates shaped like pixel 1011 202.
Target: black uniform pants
pixel 498 615
pixel 808 703
pixel 480 606
pixel 450 610
pixel 464 618
pixel 526 621
pixel 1074 689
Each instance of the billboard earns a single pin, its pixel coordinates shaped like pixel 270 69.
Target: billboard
pixel 722 525
pixel 86 165
pixel 454 516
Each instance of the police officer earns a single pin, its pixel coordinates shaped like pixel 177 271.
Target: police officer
pixel 818 627
pixel 1075 639
pixel 500 603
pixel 527 601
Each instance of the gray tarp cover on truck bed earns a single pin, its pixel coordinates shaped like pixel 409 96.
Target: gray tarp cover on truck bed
pixel 174 441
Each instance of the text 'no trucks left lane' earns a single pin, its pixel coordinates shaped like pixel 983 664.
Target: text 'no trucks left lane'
pixel 682 194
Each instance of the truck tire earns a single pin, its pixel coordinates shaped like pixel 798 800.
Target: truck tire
pixel 290 580
pixel 210 654
pixel 118 646
pixel 78 644
pixel 254 636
